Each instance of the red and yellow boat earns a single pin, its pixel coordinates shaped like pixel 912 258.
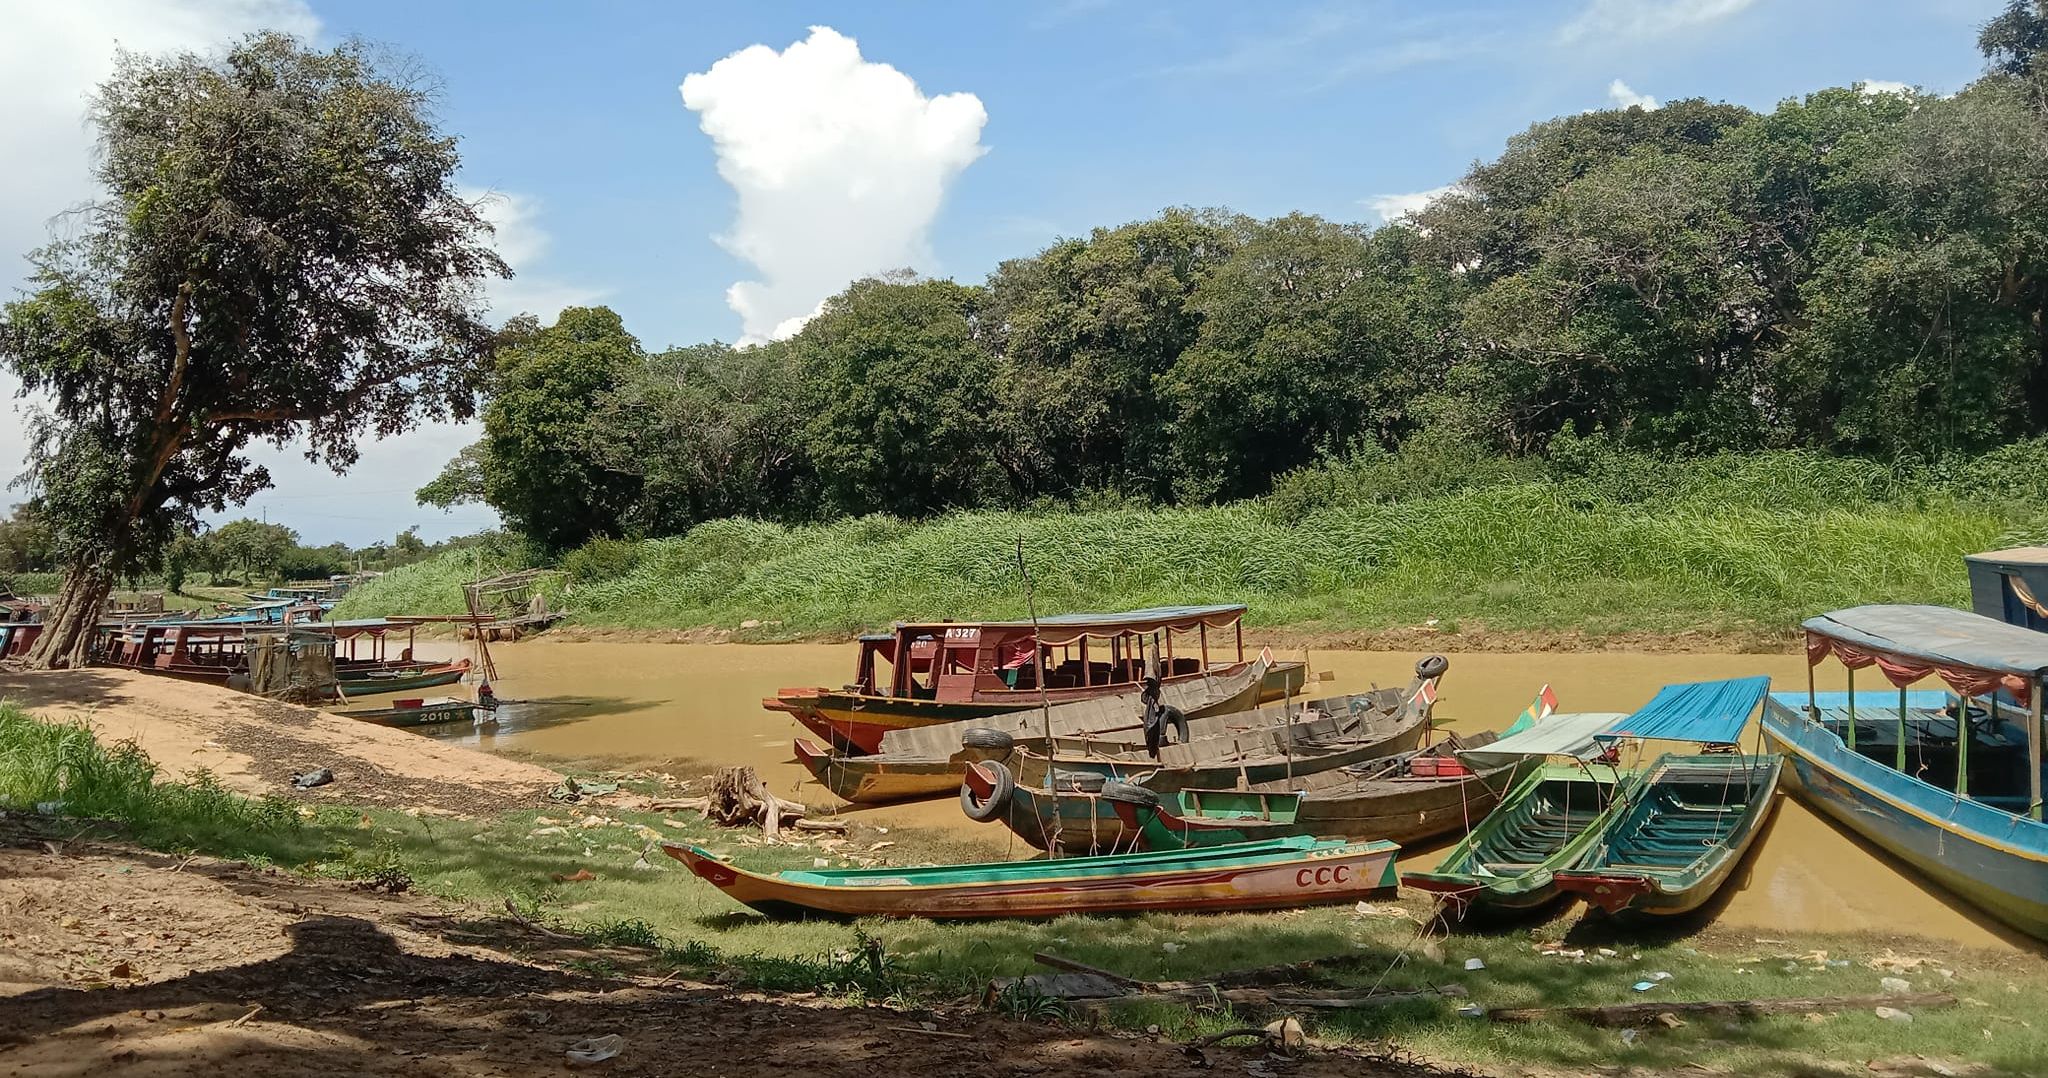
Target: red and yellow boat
pixel 1279 873
pixel 948 671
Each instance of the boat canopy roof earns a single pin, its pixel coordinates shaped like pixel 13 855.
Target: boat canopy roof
pixel 1709 712
pixel 1559 735
pixel 1056 629
pixel 1974 654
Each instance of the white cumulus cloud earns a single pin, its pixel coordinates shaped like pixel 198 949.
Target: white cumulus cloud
pixel 1609 20
pixel 840 165
pixel 1873 87
pixel 523 244
pixel 1392 208
pixel 1623 96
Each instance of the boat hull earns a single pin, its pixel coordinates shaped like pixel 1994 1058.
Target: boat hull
pixel 856 723
pixel 431 677
pixel 1254 876
pixel 433 714
pixel 1996 860
pixel 1509 863
pixel 1406 816
pixel 880 780
pixel 1678 887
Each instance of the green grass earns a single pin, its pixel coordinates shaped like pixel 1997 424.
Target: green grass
pixel 1527 556
pixel 652 902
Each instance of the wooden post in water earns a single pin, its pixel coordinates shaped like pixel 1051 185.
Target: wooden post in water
pixel 1852 709
pixel 1963 744
pixel 1044 701
pixel 1900 765
pixel 2034 751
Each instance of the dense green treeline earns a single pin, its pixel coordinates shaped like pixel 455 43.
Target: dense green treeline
pixel 1855 273
pixel 1587 538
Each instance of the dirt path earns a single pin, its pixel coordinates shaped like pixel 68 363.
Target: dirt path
pixel 256 745
pixel 115 962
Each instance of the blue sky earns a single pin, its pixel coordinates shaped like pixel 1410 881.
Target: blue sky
pixel 1097 112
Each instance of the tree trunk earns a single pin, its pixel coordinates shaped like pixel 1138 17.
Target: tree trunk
pixel 66 640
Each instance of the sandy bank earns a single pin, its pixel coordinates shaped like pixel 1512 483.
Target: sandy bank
pixel 255 745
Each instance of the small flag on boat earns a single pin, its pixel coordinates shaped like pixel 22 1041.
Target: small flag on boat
pixel 1539 709
pixel 1426 695
pixel 1266 656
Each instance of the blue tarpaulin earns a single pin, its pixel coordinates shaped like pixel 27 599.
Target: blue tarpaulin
pixel 1711 712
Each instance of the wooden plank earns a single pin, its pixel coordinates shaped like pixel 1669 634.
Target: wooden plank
pixel 1629 1014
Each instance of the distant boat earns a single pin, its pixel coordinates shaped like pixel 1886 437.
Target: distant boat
pixel 1277 874
pixel 1950 782
pixel 377 682
pixel 943 672
pixel 440 709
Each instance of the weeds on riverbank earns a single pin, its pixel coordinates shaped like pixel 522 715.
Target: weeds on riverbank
pixel 597 871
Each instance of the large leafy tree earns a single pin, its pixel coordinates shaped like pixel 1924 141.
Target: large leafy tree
pixel 710 431
pixel 279 253
pixel 898 402
pixel 542 429
pixel 1083 330
pixel 1315 336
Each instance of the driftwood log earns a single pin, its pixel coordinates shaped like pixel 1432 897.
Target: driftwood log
pixel 1083 981
pixel 1635 1014
pixel 739 798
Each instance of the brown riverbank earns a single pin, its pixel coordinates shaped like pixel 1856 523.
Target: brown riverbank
pixel 122 962
pixel 254 745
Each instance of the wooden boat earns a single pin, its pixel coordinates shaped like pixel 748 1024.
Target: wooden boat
pixel 927 761
pixel 428 712
pixel 1085 814
pixel 1281 873
pixel 1408 798
pixel 1949 782
pixel 1275 744
pixel 1683 826
pixel 378 682
pixel 1562 811
pixel 1510 860
pixel 942 672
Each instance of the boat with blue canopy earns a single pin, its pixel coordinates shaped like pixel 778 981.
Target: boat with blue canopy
pixel 1565 813
pixel 1948 780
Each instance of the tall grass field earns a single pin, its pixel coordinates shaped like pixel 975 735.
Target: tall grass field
pixel 1605 543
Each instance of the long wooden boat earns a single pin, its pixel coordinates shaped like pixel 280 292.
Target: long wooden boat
pixel 941 672
pixel 378 682
pixel 928 761
pixel 1277 744
pixel 429 712
pixel 1085 813
pixel 1408 798
pixel 1683 828
pixel 1949 782
pixel 1510 860
pixel 1281 873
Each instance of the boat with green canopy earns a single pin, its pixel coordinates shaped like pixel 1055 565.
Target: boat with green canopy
pixel 1562 811
pixel 1276 874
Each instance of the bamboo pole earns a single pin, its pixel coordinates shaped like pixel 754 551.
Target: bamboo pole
pixel 1852 709
pixel 2034 751
pixel 1900 764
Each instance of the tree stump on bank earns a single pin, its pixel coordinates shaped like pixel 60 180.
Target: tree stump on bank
pixel 739 798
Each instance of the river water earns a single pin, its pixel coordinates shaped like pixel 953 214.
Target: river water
pixel 687 708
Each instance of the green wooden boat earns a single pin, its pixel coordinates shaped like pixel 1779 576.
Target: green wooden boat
pixel 377 683
pixel 1680 830
pixel 429 712
pixel 1510 861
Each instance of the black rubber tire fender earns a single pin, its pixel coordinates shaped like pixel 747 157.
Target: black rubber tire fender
pixel 981 737
pixel 983 811
pixel 1130 793
pixel 1431 666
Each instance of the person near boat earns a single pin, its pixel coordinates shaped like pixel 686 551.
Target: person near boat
pixel 1158 715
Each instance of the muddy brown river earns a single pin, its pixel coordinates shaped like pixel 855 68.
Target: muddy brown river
pixel 683 708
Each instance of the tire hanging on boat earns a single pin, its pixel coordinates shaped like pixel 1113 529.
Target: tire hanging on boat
pixel 1002 784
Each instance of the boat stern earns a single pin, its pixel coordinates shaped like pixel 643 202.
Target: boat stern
pixel 1612 892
